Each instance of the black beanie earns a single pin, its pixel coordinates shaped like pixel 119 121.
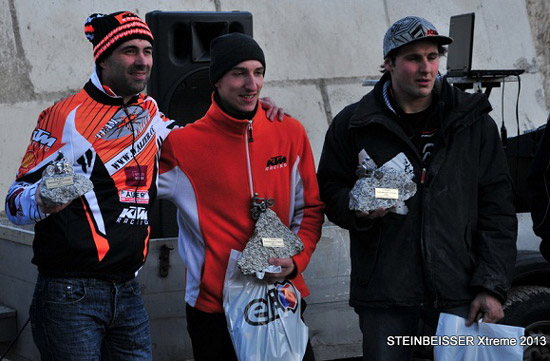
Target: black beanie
pixel 228 50
pixel 106 32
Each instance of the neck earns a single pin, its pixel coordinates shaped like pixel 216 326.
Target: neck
pixel 234 113
pixel 413 105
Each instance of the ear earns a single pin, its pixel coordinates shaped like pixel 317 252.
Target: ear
pixel 388 65
pixel 101 65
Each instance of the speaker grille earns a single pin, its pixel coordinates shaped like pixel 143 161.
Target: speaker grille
pixel 191 98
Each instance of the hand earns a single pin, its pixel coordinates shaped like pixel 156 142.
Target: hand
pixel 377 213
pixel 487 306
pixel 272 110
pixel 50 210
pixel 287 267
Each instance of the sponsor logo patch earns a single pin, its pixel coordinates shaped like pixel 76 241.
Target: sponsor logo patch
pixel 133 215
pixel 133 196
pixel 28 160
pixel 135 176
pixel 131 119
pixel 43 137
pixel 276 163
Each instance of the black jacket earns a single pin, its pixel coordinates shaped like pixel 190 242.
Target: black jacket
pixel 539 192
pixel 460 232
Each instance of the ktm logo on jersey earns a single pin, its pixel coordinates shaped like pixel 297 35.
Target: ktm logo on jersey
pixel 43 137
pixel 133 215
pixel 276 163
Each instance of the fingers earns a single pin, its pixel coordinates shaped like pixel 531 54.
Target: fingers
pixel 267 101
pixel 287 266
pixel 486 306
pixel 281 114
pixel 474 311
pixel 380 212
pixel 272 111
pixel 55 209
pixel 269 114
pixel 493 313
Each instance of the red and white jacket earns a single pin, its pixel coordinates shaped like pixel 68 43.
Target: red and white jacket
pixel 212 168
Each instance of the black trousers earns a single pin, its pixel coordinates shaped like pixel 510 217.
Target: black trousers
pixel 210 337
pixel 378 325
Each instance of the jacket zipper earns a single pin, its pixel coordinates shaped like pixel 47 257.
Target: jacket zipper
pixel 424 206
pixel 249 139
pixel 423 176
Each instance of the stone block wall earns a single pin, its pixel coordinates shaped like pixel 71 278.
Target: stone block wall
pixel 318 53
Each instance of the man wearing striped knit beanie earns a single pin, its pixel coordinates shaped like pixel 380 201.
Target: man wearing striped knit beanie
pixel 121 33
pixel 86 303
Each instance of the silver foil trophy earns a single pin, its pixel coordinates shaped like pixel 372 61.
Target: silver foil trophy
pixel 388 186
pixel 60 184
pixel 271 238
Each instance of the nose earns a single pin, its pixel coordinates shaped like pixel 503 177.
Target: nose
pixel 425 65
pixel 141 59
pixel 250 82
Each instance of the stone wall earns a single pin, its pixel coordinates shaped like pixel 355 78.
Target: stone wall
pixel 539 19
pixel 318 53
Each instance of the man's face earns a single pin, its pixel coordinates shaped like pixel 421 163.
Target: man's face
pixel 413 74
pixel 239 88
pixel 127 70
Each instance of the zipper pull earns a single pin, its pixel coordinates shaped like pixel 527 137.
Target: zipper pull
pixel 423 176
pixel 250 137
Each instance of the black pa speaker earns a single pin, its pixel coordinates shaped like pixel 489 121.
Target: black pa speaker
pixel 180 80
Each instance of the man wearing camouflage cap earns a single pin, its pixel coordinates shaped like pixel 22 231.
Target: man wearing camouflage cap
pixel 452 248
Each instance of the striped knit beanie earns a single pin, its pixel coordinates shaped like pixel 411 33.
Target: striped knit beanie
pixel 106 32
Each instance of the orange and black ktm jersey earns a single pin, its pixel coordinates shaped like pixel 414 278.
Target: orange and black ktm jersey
pixel 104 233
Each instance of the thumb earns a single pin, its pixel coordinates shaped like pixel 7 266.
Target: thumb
pixel 474 310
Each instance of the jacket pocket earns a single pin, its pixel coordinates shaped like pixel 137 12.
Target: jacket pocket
pixel 364 256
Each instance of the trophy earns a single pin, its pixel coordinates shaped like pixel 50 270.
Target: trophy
pixel 271 238
pixel 386 187
pixel 60 185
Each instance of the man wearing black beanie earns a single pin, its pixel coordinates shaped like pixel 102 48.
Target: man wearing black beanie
pixel 216 170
